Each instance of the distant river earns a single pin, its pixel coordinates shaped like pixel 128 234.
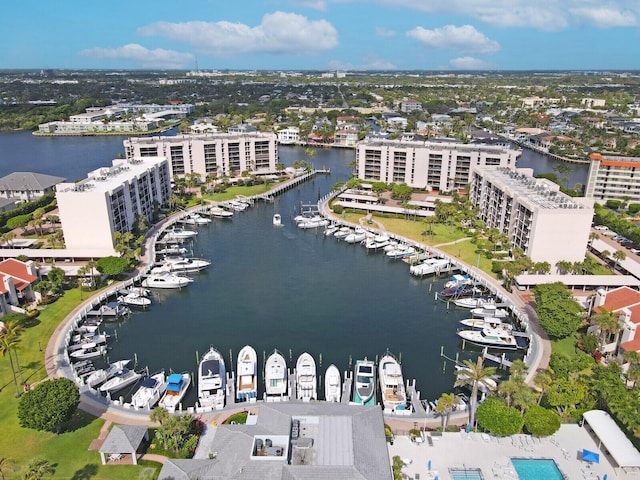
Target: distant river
pixel 283 288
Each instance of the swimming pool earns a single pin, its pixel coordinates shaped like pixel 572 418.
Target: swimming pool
pixel 536 468
pixel 462 473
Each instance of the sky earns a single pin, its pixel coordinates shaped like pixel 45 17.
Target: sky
pixel 344 35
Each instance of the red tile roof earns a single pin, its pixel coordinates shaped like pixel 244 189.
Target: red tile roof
pixel 18 271
pixel 621 297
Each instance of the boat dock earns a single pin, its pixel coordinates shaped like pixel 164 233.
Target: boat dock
pixel 345 397
pixel 289 184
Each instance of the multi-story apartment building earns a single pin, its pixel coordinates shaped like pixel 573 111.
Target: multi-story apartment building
pixel 215 153
pixel 613 178
pixel 547 224
pixel 111 199
pixel 441 165
pixel 289 135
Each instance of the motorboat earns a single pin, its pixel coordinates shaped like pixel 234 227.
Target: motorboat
pixel 373 244
pixel 364 388
pixel 277 220
pixel 490 337
pixel 172 250
pixel 134 300
pixel 219 212
pixel 102 375
pixel 313 222
pixel 357 236
pixel 143 292
pixel 275 377
pixel 238 206
pixel 306 384
pixel 195 219
pixel 342 232
pixel 178 234
pixel 90 351
pixel 87 340
pixel 486 386
pixel 489 310
pixel 110 310
pixel 122 378
pixel 417 257
pixel 457 280
pixel 84 368
pixel 85 328
pixel 472 302
pixel 330 230
pixel 400 251
pixel 177 385
pixel 163 278
pixel 247 374
pixel 429 266
pixel 381 237
pixel 212 380
pixel 332 384
pixel 150 391
pixel 484 322
pixel 394 396
pixel 184 264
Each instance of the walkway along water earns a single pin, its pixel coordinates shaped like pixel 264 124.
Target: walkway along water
pixel 57 362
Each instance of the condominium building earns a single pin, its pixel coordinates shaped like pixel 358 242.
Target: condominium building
pixel 430 165
pixel 613 178
pixel 547 224
pixel 215 153
pixel 110 200
pixel 289 135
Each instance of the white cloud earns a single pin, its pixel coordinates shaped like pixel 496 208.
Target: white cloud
pixel 385 32
pixel 469 63
pixel 603 17
pixel 315 4
pixel 142 57
pixel 464 39
pixel 279 33
pixel 548 15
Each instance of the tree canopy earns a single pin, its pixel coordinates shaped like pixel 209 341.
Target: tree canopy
pixel 112 266
pixel 541 422
pixel 494 416
pixel 49 405
pixel 558 312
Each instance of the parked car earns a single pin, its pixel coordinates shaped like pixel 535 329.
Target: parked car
pixel 601 227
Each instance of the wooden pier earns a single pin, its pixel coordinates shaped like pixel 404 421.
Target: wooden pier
pixel 288 184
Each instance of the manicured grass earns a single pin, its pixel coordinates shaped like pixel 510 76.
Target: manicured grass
pixel 466 251
pixel 232 192
pixel 67 451
pixel 566 346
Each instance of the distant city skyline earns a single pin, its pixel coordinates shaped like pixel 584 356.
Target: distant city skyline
pixel 323 35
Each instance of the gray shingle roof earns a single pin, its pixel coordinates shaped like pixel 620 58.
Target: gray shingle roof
pixel 123 439
pixel 28 181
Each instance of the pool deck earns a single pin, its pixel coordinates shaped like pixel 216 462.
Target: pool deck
pixel 492 454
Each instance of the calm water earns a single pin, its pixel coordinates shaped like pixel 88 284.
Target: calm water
pixel 283 288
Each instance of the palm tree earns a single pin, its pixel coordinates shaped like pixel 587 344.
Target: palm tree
pixel 475 374
pixel 9 341
pixel 607 322
pixel 605 254
pixel 593 236
pixel 445 406
pixel 6 464
pixel 618 256
pixel 543 381
pixel 38 468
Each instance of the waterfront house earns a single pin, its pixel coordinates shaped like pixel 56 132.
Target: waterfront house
pixel 27 186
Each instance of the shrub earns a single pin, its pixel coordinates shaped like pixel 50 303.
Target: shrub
pixel 49 405
pixel 613 204
pixel 634 208
pixel 337 209
pixel 541 422
pixel 495 416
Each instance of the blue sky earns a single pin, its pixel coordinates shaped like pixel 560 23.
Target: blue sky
pixel 322 34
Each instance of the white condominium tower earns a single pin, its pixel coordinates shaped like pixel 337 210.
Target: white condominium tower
pixel 223 154
pixel 109 200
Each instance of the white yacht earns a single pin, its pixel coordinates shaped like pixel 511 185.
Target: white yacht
pixel 247 374
pixel 134 300
pixel 150 391
pixel 219 212
pixel 332 384
pixel 177 385
pixel 163 278
pixel 483 322
pixel 184 264
pixel 490 337
pixel 121 379
pixel 364 386
pixel 102 375
pixel 429 266
pixel 90 350
pixel 178 234
pixel 275 377
pixel 212 380
pixel 489 310
pixel 277 220
pixel 195 219
pixel 400 251
pixel 342 232
pixel 313 222
pixel 472 302
pixel 394 396
pixel 306 384
pixel 357 236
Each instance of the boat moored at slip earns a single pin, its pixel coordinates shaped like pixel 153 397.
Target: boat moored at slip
pixel 394 396
pixel 102 375
pixel 330 230
pixel 219 212
pixel 364 378
pixel 400 251
pixel 313 222
pixel 489 310
pixel 212 377
pixel 90 350
pixel 458 280
pixel 358 235
pixel 161 277
pixel 195 219
pixel 150 391
pixel 342 232
pixel 134 300
pixel 491 338
pixel 123 378
pixel 178 234
pixel 247 375
pixel 486 322
pixel 184 264
pixel 177 385
pixel 306 385
pixel 473 302
pixel 332 384
pixel 110 311
pixel 275 378
pixel 429 266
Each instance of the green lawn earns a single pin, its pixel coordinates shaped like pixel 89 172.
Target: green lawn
pixel 566 346
pixel 232 192
pixel 67 451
